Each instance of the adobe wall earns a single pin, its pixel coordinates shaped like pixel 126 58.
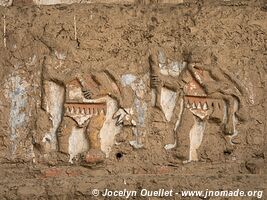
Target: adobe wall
pixel 134 88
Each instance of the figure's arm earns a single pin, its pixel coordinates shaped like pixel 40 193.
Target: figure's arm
pixel 170 82
pixel 98 85
pixel 108 86
pixel 191 68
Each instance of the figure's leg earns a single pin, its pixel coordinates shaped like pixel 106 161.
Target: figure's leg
pixel 93 130
pixel 229 125
pixel 196 136
pixel 95 155
pixel 64 132
pixel 179 108
pixel 242 110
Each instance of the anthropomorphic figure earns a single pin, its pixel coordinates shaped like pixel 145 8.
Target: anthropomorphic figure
pixel 85 107
pixel 207 91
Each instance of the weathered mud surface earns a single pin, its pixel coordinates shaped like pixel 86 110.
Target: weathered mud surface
pixel 48 47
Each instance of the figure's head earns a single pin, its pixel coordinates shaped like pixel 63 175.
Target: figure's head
pixel 201 55
pixel 167 63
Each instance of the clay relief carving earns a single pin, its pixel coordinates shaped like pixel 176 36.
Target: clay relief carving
pixel 207 92
pixel 80 112
pixel 90 116
pixel 87 112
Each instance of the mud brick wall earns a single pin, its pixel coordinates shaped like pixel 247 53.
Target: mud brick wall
pixel 165 84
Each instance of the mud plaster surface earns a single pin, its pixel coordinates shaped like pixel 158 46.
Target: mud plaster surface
pixel 117 38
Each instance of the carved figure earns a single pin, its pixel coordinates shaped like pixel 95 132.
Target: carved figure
pixel 85 107
pixel 205 90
